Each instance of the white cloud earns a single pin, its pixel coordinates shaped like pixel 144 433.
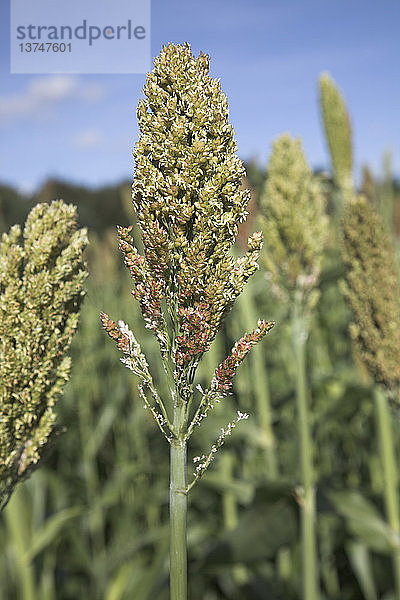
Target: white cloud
pixel 88 139
pixel 51 89
pixel 44 93
pixel 92 92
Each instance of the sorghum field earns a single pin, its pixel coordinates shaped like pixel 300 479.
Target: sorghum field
pixel 302 500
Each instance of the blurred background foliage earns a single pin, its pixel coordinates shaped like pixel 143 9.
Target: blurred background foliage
pixel 93 521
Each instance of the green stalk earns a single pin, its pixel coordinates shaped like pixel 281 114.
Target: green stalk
pixel 390 476
pixel 229 503
pixel 307 504
pixel 230 510
pixel 17 519
pixel 178 510
pixel 261 389
pixel 91 479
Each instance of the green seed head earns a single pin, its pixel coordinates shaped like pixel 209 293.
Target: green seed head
pixel 41 279
pixel 338 132
pixel 189 200
pixel 295 226
pixel 373 292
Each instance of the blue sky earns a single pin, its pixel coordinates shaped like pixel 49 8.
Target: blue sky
pixel 268 55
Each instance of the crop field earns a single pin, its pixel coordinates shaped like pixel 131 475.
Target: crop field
pixel 251 449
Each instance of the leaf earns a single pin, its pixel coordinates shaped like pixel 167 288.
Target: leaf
pixel 272 522
pixel 47 534
pixel 101 430
pixel 243 490
pixel 362 567
pixel 120 582
pixel 363 520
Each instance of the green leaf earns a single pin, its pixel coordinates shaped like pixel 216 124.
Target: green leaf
pixel 120 582
pixel 243 490
pixel 48 533
pixel 363 520
pixel 272 522
pixel 361 562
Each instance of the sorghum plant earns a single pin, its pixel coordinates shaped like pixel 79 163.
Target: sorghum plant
pixel 40 295
pixel 292 207
pixel 189 202
pixel 372 288
pixel 387 197
pixel 338 134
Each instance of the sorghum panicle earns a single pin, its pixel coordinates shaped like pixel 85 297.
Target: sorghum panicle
pixel 41 281
pixel 292 208
pixel 372 289
pixel 338 132
pixel 189 201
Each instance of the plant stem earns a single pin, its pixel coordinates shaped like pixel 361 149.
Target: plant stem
pixel 307 504
pixel 261 389
pixel 230 510
pixel 17 519
pixel 178 510
pixel 387 456
pixel 229 503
